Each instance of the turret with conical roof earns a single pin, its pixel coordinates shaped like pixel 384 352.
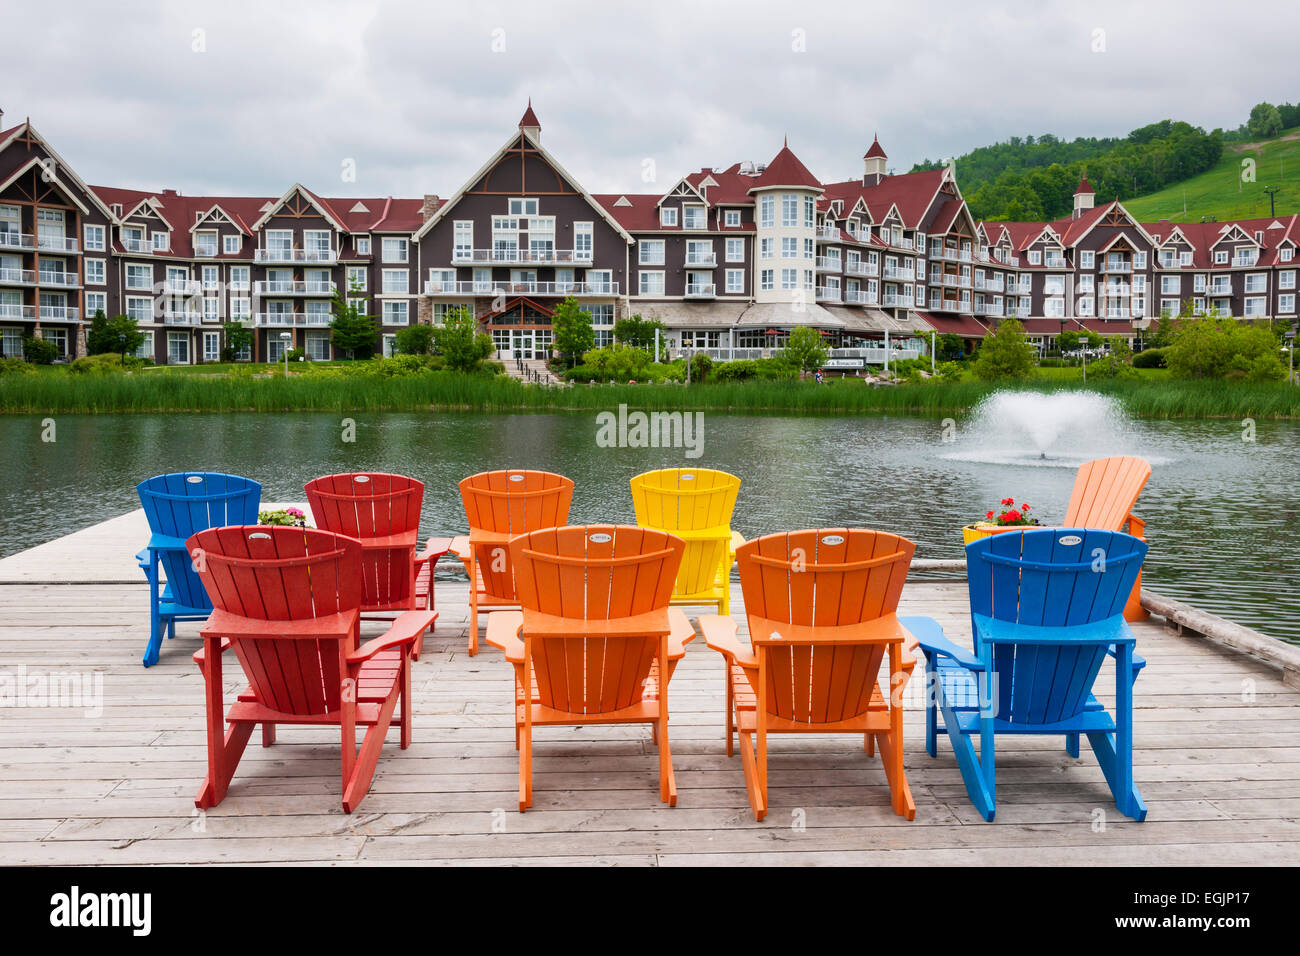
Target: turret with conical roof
pixel 785 169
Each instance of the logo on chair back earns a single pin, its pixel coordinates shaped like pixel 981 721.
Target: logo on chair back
pixel 600 538
pixel 516 477
pixel 1069 540
pixel 195 479
pixel 833 539
pixel 361 479
pixel 688 477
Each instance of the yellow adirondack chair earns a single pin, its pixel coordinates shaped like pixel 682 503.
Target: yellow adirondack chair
pixel 695 504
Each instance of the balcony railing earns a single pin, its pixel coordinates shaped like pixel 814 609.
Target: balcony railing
pixel 899 273
pixel 463 287
pixel 64 245
pixel 829 233
pixel 1054 262
pixel 827 294
pixel 1109 266
pixel 138 246
pixel 17 277
pixel 829 264
pixel 182 317
pixel 325 257
pixel 291 319
pixel 60 280
pixel 701 259
pixel 701 290
pixel 57 313
pixel 287 287
pixel 894 299
pixel 861 268
pixel 10 239
pixel 858 297
pixel 182 286
pixel 521 256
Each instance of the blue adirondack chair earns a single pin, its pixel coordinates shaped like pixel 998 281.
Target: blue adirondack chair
pixel 1047 606
pixel 178 506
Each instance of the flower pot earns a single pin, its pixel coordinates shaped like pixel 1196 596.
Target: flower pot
pixel 982 529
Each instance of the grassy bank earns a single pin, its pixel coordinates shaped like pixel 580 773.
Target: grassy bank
pixel 161 392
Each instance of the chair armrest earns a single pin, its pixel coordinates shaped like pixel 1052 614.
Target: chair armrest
pixel 737 539
pixel 199 656
pixel 406 628
pixel 681 634
pixel 933 642
pixel 329 627
pixel 433 548
pixel 163 542
pixel 1113 630
pixel 1137 662
pixel 144 559
pixel 503 632
pixel 720 634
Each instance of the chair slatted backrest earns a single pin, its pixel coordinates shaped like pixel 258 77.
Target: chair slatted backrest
pixel 689 499
pixel 1105 491
pixel 372 505
pixel 178 505
pixel 511 502
pixel 285 574
pixel 820 578
pixel 1050 577
pixel 588 574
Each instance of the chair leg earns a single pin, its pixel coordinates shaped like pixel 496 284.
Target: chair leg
pixel 406 702
pixel 667 782
pixel 757 792
pixel 869 744
pixel 473 624
pixel 1072 745
pixel 729 714
pixel 155 639
pixel 931 707
pixel 525 767
pixel 362 770
pixel 222 764
pixel 268 734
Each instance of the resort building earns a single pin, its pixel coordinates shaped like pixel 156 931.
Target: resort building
pixel 730 260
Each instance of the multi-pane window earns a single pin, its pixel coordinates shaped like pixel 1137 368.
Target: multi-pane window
pixel 363 245
pixel 395 312
pixel 735 280
pixel 1087 259
pixel 395 249
pixel 789 278
pixel 809 211
pixel 789 209
pixel 735 250
pixel 205 243
pixel 240 279
pixel 96 302
pixel 94 238
pixel 651 252
pixel 395 282
pixel 667 216
pixel 139 308
pixel 693 217
pixel 95 272
pixel 463 240
pixel 231 244
pixel 162 241
pixel 789 248
pixel 652 283
pixel 1286 279
pixel 1170 285
pixel 139 276
pixel 767 211
pixel 732 217
pixel 583 233
pixel 178 348
pixel 765 247
pixel 1285 303
pixel 765 278
pixel 357 278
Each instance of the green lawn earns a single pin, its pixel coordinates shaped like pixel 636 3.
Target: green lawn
pixel 1221 192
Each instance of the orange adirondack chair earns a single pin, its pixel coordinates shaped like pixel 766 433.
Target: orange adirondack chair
pixel 288 602
pixel 696 505
pixel 820 606
pixel 594 636
pixel 498 506
pixel 1105 491
pixel 383 512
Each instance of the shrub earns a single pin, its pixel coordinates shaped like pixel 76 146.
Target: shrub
pixel 701 366
pixel 415 340
pixel 1051 363
pixel 39 351
pixel 949 371
pixel 1149 358
pixel 16 366
pixel 1223 348
pixel 104 363
pixel 738 371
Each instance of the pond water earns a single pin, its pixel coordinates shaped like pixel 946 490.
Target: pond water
pixel 1221 510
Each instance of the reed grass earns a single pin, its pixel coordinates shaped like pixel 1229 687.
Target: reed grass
pixel 103 394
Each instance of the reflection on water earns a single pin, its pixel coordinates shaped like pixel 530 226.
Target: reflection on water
pixel 1221 512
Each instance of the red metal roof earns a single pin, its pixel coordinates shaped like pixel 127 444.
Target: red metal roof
pixel 966 326
pixel 1084 187
pixel 875 150
pixel 785 169
pixel 529 118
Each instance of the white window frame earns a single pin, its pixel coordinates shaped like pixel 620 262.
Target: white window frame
pixel 668 216
pixel 93 245
pixel 646 255
pixel 735 250
pixel 735 281
pixel 396 249
pixel 99 266
pixel 644 288
pixel 731 218
pixel 232 243
pixel 390 284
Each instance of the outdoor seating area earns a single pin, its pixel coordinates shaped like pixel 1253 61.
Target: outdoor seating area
pixel 592 621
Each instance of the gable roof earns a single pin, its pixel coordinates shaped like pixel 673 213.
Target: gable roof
pixel 527 137
pixel 321 205
pixel 61 165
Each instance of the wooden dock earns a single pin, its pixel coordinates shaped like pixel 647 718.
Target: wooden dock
pixel 1217 760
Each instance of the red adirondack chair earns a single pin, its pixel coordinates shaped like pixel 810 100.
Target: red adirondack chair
pixel 498 506
pixel 382 511
pixel 287 601
pixel 594 635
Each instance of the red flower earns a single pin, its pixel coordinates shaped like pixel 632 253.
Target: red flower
pixel 1024 507
pixel 989 515
pixel 1008 501
pixel 1013 517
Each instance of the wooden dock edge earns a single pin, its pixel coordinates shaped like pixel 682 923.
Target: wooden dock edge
pixel 1186 619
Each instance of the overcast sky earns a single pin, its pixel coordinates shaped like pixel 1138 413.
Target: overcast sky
pixel 247 98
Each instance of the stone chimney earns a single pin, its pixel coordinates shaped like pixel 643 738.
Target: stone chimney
pixel 431 204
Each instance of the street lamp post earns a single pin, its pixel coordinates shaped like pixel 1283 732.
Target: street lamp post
pixel 285 337
pixel 1289 335
pixel 121 340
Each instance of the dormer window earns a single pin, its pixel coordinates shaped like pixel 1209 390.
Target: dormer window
pixel 732 217
pixel 667 216
pixel 162 241
pixel 1035 257
pixel 694 217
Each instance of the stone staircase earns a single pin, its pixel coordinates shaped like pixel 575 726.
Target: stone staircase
pixel 531 370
